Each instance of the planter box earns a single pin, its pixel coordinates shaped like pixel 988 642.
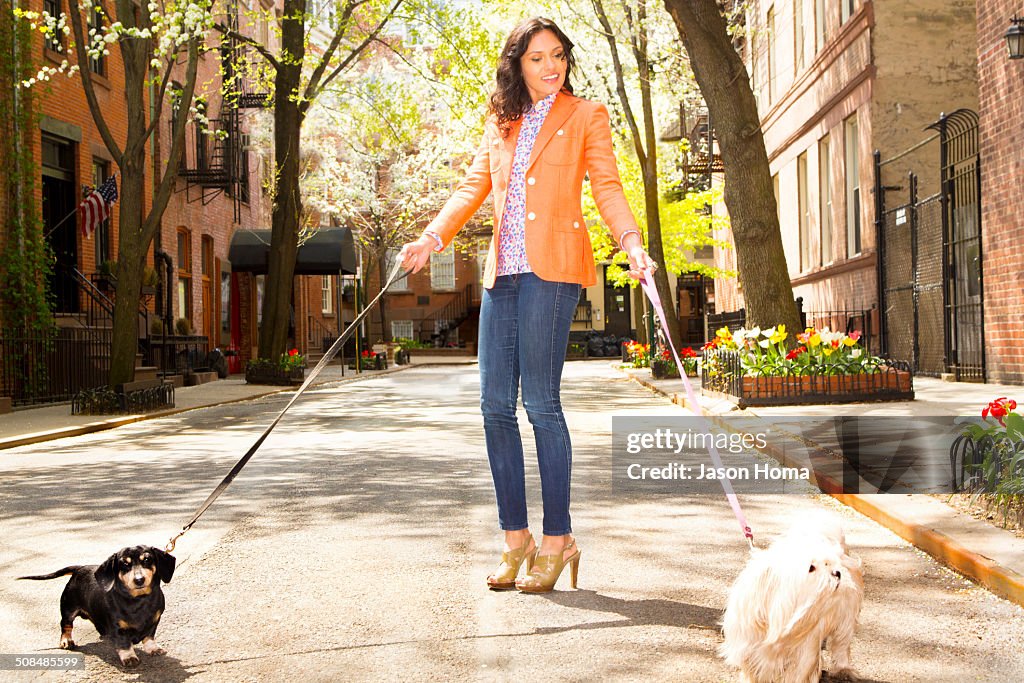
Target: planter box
pixel 889 385
pixel 666 369
pixel 274 376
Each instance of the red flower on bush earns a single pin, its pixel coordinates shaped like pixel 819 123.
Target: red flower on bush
pixel 999 409
pixel 713 344
pixel 366 353
pixel 796 352
pixel 293 352
pixel 688 352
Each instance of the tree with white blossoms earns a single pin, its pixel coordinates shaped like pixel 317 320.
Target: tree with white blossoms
pixel 391 170
pixel 152 39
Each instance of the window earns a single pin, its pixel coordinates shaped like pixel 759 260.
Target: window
pixel 847 8
pixel 54 42
pixel 389 261
pixel 98 65
pixel 442 269
pixel 798 35
pixel 401 329
pixel 100 172
pixel 819 24
pixel 771 55
pixel 852 187
pixel 184 274
pixel 825 198
pixel 755 73
pixel 804 212
pixel 326 295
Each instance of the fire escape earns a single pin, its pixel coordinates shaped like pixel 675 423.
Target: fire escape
pixel 214 159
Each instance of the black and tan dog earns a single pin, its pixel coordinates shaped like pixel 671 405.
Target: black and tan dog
pixel 121 597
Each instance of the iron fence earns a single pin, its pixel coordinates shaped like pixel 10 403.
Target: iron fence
pixel 52 366
pixel 722 372
pixel 179 354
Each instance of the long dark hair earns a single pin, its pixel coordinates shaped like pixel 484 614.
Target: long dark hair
pixel 510 98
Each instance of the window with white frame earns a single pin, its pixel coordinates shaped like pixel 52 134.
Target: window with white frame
pixel 852 186
pixel 326 294
pixel 401 329
pixel 442 269
pixel 825 198
pixel 847 8
pixel 798 36
pixel 804 212
pixel 820 31
pixel 772 49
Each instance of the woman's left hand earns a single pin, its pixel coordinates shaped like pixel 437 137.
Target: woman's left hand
pixel 640 263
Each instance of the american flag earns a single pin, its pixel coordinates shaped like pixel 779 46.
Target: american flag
pixel 95 208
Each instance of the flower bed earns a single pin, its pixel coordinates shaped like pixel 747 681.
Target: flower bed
pixel 754 368
pixel 289 369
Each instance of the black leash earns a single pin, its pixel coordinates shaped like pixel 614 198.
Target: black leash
pixel 328 357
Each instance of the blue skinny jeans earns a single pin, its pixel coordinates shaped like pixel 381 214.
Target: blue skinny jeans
pixel 524 331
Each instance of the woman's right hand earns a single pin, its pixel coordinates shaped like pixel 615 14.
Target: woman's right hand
pixel 415 255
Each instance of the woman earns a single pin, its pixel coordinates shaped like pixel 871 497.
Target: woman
pixel 539 143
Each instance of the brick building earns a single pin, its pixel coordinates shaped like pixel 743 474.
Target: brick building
pixel 1001 138
pixel 835 81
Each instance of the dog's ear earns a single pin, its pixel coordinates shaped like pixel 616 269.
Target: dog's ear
pixel 106 573
pixel 164 564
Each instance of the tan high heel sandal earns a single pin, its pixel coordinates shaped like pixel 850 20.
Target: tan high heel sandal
pixel 547 568
pixel 505 578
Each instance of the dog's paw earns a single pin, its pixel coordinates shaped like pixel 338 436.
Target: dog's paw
pixel 129 659
pixel 67 644
pixel 844 674
pixel 150 647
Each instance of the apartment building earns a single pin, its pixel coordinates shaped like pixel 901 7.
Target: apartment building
pixel 834 82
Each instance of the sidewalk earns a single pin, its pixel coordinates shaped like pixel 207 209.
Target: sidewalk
pixel 32 425
pixel 991 556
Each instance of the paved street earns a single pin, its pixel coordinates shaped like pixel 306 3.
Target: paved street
pixel 355 545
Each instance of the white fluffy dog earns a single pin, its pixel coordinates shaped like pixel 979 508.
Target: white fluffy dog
pixel 805 589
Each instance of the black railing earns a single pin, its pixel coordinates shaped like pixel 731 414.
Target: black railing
pixel 436 326
pixel 317 332
pixel 178 354
pixel 53 366
pixel 722 372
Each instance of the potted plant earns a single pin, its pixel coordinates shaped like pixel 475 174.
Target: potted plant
pixel 182 327
pixel 664 365
pixel 639 354
pixel 290 368
pixel 828 366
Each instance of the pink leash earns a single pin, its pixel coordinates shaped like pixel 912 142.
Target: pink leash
pixel 652 293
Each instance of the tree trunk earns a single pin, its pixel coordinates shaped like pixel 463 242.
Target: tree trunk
pixel 645 143
pixel 749 195
pixel 284 239
pixel 382 273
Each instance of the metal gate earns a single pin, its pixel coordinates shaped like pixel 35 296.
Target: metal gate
pixel 929 267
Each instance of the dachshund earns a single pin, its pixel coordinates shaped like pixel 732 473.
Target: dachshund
pixel 121 597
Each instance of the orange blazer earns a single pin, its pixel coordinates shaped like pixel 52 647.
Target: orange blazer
pixel 574 141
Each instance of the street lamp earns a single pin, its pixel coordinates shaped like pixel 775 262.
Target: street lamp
pixel 1015 38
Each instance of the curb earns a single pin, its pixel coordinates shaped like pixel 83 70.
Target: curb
pixel 1002 581
pixel 113 423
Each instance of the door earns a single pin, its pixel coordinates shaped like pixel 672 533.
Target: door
pixel 60 220
pixel 618 317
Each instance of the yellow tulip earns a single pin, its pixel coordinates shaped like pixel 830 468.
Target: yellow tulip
pixel 814 340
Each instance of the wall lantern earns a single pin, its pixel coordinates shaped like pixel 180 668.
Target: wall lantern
pixel 1015 38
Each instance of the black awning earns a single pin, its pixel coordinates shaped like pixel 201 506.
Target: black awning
pixel 328 251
